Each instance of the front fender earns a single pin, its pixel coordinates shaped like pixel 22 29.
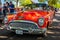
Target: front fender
pixel 10 17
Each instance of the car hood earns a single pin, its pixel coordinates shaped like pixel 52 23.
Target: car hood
pixel 32 15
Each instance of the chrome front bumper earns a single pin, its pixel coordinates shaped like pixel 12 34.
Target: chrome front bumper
pixel 27 27
pixel 29 31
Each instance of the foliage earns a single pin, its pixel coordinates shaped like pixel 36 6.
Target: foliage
pixel 41 0
pixel 52 2
pixel 57 5
pixel 25 2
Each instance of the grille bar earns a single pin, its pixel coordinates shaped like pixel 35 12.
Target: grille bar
pixel 23 24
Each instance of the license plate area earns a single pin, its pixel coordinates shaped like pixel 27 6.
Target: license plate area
pixel 19 32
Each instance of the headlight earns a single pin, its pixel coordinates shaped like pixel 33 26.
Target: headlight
pixel 5 20
pixel 41 21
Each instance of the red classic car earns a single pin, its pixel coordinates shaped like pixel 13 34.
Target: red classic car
pixel 33 19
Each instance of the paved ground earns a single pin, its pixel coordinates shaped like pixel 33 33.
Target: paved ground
pixel 53 32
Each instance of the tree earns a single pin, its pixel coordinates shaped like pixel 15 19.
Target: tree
pixel 52 2
pixel 25 2
pixel 41 0
pixel 57 5
pixel 0 1
pixel 17 3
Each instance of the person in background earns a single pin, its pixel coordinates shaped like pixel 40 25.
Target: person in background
pixel 7 4
pixel 11 7
pixel 4 9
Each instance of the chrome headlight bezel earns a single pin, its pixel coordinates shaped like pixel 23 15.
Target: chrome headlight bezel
pixel 41 21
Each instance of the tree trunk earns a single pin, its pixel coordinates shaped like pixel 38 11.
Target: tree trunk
pixel 0 2
pixel 17 3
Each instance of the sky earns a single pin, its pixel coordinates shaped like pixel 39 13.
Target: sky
pixel 2 1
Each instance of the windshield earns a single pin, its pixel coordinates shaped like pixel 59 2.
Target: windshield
pixel 38 6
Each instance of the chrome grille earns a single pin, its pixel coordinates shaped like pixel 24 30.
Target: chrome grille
pixel 23 25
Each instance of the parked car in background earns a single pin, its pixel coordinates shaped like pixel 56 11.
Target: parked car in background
pixel 34 19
